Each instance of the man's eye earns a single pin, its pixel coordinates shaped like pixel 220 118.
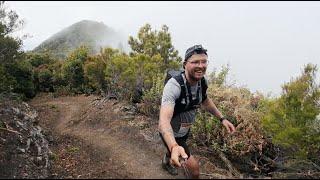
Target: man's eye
pixel 198 62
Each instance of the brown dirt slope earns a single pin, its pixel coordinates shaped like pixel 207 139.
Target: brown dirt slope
pixel 92 137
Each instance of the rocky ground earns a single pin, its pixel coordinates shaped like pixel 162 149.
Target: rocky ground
pixel 24 149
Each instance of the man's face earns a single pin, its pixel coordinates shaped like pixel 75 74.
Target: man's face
pixel 196 66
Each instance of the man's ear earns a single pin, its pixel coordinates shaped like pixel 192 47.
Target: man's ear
pixel 184 63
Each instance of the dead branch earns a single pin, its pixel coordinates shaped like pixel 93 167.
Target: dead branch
pixel 5 129
pixel 215 175
pixel 234 172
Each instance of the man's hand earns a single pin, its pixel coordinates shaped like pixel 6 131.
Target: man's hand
pixel 177 151
pixel 229 126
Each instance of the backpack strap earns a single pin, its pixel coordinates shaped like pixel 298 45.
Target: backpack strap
pixel 181 79
pixel 204 87
pixel 187 90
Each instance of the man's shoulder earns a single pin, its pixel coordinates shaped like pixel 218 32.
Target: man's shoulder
pixel 171 92
pixel 173 81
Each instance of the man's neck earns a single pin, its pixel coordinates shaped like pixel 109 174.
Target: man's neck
pixel 190 80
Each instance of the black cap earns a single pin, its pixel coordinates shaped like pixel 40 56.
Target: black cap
pixel 196 49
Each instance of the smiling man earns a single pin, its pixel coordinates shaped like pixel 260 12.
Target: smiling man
pixel 182 95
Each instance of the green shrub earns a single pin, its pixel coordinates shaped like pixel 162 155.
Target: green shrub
pixel 291 118
pixel 151 99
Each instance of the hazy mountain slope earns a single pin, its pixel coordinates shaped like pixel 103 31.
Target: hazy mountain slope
pixel 86 32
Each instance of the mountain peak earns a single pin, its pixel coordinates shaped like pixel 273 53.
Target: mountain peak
pixel 85 32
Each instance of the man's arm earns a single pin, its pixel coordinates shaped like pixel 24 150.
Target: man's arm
pixel 166 113
pixel 165 128
pixel 212 108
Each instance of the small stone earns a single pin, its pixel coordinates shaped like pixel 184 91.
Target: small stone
pixel 21 150
pixel 116 110
pixel 38 161
pixel 128 117
pixel 39 158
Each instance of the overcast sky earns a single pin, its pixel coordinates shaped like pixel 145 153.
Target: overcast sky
pixel 265 43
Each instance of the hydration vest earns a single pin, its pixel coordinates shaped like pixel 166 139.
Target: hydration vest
pixel 186 102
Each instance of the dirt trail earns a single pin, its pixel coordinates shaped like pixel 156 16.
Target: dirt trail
pixel 124 149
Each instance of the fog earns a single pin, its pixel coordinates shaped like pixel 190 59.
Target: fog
pixel 265 43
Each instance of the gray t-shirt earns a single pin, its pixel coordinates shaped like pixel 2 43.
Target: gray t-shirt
pixel 171 93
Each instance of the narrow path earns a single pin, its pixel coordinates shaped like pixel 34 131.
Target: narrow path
pixel 120 147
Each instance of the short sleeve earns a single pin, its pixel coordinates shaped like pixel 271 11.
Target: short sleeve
pixel 171 92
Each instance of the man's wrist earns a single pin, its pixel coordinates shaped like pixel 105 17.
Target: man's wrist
pixel 222 118
pixel 174 145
